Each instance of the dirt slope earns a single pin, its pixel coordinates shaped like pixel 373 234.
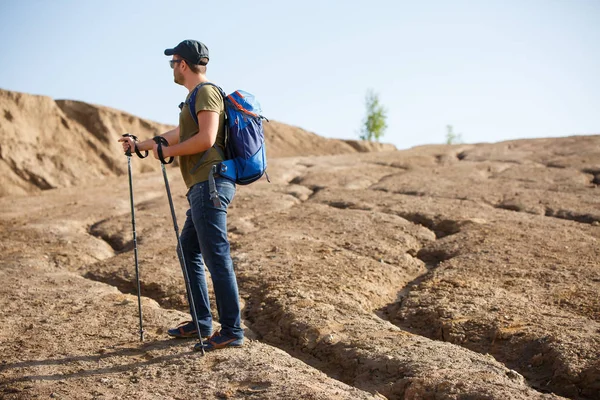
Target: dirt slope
pixel 290 141
pixel 47 144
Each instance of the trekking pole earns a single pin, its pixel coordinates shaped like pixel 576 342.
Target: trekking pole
pixel 135 251
pixel 161 141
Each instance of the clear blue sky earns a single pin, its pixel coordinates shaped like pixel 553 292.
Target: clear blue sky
pixel 494 69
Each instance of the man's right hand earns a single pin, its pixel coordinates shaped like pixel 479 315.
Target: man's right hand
pixel 128 144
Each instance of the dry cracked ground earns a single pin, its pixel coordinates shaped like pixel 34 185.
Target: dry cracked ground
pixel 440 272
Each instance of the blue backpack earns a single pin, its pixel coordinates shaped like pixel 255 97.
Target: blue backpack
pixel 245 155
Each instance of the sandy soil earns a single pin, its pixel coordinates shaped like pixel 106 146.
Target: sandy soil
pixel 440 272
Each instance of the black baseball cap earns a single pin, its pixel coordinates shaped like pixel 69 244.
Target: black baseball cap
pixel 191 51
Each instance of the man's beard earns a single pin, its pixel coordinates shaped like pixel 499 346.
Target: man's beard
pixel 178 78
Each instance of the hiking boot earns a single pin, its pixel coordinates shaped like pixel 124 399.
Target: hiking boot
pixel 185 330
pixel 218 341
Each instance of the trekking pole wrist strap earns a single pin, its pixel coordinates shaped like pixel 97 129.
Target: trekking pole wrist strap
pixel 137 151
pixel 161 141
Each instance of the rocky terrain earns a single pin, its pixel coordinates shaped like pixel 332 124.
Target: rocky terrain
pixel 439 272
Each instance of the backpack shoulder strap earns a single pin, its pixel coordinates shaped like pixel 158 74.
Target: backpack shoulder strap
pixel 192 99
pixel 192 108
pixel 212 84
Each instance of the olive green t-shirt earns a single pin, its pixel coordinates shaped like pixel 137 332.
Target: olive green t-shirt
pixel 208 98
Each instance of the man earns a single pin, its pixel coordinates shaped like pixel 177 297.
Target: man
pixel 204 234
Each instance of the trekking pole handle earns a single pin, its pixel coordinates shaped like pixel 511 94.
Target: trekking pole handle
pixel 161 141
pixel 137 151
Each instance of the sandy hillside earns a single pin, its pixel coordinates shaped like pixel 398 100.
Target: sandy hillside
pixel 49 143
pixel 439 272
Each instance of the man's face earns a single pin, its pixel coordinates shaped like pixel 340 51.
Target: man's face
pixel 176 65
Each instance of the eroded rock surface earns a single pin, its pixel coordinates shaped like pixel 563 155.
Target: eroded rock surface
pixel 440 272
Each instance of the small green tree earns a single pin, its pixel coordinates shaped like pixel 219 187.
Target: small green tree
pixel 451 137
pixel 374 124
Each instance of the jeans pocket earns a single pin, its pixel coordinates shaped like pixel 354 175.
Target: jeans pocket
pixel 226 189
pixel 196 193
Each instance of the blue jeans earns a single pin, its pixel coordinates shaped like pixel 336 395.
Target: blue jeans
pixel 204 240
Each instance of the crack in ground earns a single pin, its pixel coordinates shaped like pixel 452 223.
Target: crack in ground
pixel 151 290
pixel 595 172
pixel 433 258
pixel 154 291
pixel 572 216
pixel 124 281
pixel 115 241
pixel 432 325
pixel 436 329
pixel 510 349
pixel 323 364
pixel 380 180
pixel 391 165
pixel 569 215
pixel 423 194
pixel 260 308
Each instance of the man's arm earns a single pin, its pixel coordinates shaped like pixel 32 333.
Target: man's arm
pixel 172 137
pixel 208 121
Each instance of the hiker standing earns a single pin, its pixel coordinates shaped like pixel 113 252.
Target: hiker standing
pixel 204 235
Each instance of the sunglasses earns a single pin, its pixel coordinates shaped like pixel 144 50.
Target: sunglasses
pixel 173 62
